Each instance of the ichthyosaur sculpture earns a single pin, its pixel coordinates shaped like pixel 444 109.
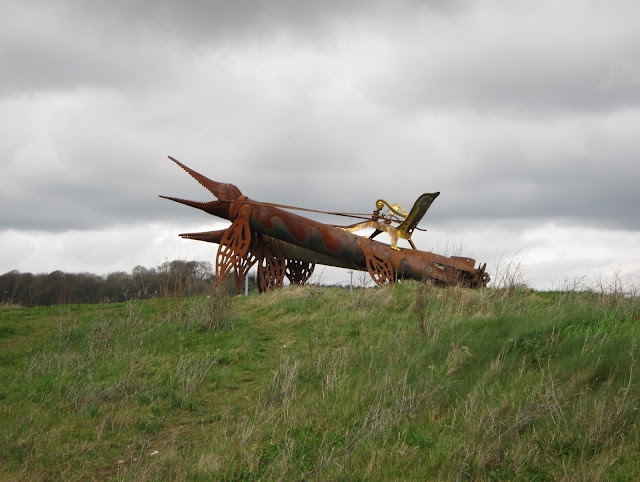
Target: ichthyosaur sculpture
pixel 286 244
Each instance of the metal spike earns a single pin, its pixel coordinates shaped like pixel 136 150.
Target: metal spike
pixel 223 191
pixel 195 204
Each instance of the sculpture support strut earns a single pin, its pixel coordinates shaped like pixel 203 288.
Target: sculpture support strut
pixel 286 244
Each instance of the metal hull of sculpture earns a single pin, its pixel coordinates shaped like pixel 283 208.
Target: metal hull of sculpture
pixel 286 244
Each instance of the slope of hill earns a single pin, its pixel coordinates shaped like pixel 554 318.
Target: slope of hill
pixel 405 381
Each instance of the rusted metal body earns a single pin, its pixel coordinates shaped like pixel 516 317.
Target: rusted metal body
pixel 287 244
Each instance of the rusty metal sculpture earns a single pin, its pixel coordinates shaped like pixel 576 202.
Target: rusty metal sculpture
pixel 286 244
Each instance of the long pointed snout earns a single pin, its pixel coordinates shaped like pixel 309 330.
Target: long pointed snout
pixel 224 192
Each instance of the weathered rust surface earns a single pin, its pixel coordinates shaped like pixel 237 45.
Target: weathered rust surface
pixel 281 241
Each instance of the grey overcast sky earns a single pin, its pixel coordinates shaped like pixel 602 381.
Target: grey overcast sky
pixel 525 115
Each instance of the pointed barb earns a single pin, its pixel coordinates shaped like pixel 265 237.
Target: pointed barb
pixel 195 204
pixel 208 236
pixel 223 191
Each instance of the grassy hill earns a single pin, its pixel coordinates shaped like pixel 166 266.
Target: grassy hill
pixel 406 381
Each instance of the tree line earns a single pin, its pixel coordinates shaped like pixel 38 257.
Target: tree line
pixel 171 279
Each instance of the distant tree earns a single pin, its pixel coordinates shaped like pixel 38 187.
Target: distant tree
pixel 144 282
pixel 84 287
pixel 173 278
pixel 116 287
pixel 12 287
pixel 37 288
pixel 25 294
pixel 204 270
pixel 54 290
pixel 183 278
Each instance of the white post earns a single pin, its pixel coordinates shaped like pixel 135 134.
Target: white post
pixel 246 285
pixel 351 282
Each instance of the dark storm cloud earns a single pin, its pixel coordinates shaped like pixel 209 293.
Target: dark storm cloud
pixel 52 46
pixel 202 19
pixel 526 58
pixel 69 43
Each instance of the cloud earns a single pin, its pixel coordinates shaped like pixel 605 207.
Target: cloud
pixel 71 43
pixel 527 58
pixel 101 251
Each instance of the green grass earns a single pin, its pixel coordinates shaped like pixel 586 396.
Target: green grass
pixel 402 382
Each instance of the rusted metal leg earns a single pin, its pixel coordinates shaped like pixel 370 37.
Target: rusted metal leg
pixel 243 267
pixel 481 277
pixel 298 272
pixel 378 265
pixel 271 268
pixel 233 248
